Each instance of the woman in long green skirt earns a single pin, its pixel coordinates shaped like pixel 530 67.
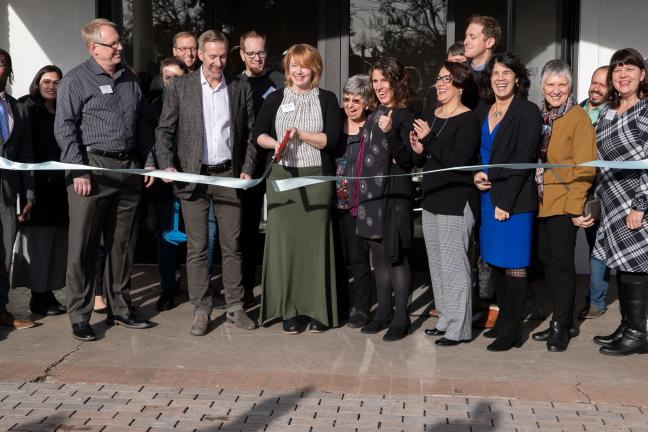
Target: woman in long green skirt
pixel 299 264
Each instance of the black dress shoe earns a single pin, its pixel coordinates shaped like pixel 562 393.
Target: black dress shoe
pixel 83 331
pixel 54 303
pixel 358 318
pixel 434 332
pixel 316 326
pixel 542 336
pixel 290 326
pixel 41 304
pixel 127 320
pixel 375 326
pixel 166 301
pixel 396 333
pixel 446 342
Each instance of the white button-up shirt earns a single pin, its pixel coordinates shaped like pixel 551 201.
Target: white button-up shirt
pixel 216 117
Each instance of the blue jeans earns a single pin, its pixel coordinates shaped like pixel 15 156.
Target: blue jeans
pixel 599 277
pixel 212 230
pixel 599 273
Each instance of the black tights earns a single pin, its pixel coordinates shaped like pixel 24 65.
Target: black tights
pixel 390 277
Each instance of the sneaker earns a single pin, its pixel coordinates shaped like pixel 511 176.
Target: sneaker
pixel 200 324
pixel 240 319
pixel 593 312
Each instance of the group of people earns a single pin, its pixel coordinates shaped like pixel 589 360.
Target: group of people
pixel 317 237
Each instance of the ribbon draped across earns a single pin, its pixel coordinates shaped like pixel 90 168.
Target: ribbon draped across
pixel 297 182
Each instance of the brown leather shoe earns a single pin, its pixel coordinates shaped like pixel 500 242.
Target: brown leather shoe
pixel 8 320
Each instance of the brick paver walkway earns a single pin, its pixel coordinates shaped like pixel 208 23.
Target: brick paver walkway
pixel 26 406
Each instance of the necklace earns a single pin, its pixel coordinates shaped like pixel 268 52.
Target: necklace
pixel 444 123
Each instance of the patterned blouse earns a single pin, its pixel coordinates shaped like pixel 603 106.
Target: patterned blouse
pixel 345 166
pixel 302 111
pixel 622 137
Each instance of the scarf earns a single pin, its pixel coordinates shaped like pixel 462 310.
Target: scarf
pixel 549 115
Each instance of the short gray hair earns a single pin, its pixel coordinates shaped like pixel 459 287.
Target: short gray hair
pixel 358 85
pixel 92 31
pixel 556 67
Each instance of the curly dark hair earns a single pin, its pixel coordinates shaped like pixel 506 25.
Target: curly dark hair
pixel 6 59
pixel 399 81
pixel 626 56
pixel 34 87
pixel 513 62
pixel 460 72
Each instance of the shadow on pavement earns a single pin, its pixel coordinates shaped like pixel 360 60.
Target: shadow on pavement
pixel 479 417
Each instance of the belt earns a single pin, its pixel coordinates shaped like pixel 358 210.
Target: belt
pixel 122 156
pixel 217 168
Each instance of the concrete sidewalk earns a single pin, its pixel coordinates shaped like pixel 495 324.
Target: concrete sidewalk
pixel 265 365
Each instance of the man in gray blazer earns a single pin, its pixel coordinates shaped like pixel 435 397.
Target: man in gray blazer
pixel 16 145
pixel 205 128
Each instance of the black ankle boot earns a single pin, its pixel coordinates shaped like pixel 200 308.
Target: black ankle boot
pixel 614 337
pixel 635 336
pixel 509 331
pixel 558 338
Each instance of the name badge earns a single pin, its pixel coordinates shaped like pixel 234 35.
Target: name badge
pixel 609 115
pixel 267 93
pixel 106 89
pixel 285 108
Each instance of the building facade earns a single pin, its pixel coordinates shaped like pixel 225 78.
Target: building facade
pixel 350 34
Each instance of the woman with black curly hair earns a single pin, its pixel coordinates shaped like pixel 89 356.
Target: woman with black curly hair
pixel 384 203
pixel 510 133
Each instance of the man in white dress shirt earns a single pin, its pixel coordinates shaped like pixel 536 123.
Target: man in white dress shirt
pixel 205 127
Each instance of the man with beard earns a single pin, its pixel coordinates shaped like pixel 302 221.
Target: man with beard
pixel 595 305
pixel 16 144
pixel 263 82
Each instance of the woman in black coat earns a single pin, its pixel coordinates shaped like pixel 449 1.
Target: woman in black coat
pixel 41 260
pixel 510 133
pixel 384 205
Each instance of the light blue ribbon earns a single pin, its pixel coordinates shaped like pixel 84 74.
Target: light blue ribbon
pixel 297 182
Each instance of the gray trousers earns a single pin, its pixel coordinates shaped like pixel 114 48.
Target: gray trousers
pixel 447 239
pixel 195 211
pixel 111 209
pixel 8 227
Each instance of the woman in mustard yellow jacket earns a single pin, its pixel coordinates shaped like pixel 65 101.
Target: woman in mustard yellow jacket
pixel 569 138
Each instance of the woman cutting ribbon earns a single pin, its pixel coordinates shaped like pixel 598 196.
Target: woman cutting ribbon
pixel 298 263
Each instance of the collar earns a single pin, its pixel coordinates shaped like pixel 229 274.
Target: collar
pixel 204 81
pixel 98 70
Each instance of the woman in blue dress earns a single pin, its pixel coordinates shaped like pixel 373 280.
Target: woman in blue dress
pixel 511 128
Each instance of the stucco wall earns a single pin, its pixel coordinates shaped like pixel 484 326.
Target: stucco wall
pixel 41 32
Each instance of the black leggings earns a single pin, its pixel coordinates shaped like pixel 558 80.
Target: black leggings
pixel 390 277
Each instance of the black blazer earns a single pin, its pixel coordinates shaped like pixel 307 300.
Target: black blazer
pixel 517 140
pixel 180 134
pixel 265 123
pixel 18 148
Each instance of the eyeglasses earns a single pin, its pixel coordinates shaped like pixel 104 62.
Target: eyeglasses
pixel 260 54
pixel 185 49
pixel 113 45
pixel 445 78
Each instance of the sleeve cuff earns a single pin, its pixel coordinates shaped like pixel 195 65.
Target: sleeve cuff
pixel 640 203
